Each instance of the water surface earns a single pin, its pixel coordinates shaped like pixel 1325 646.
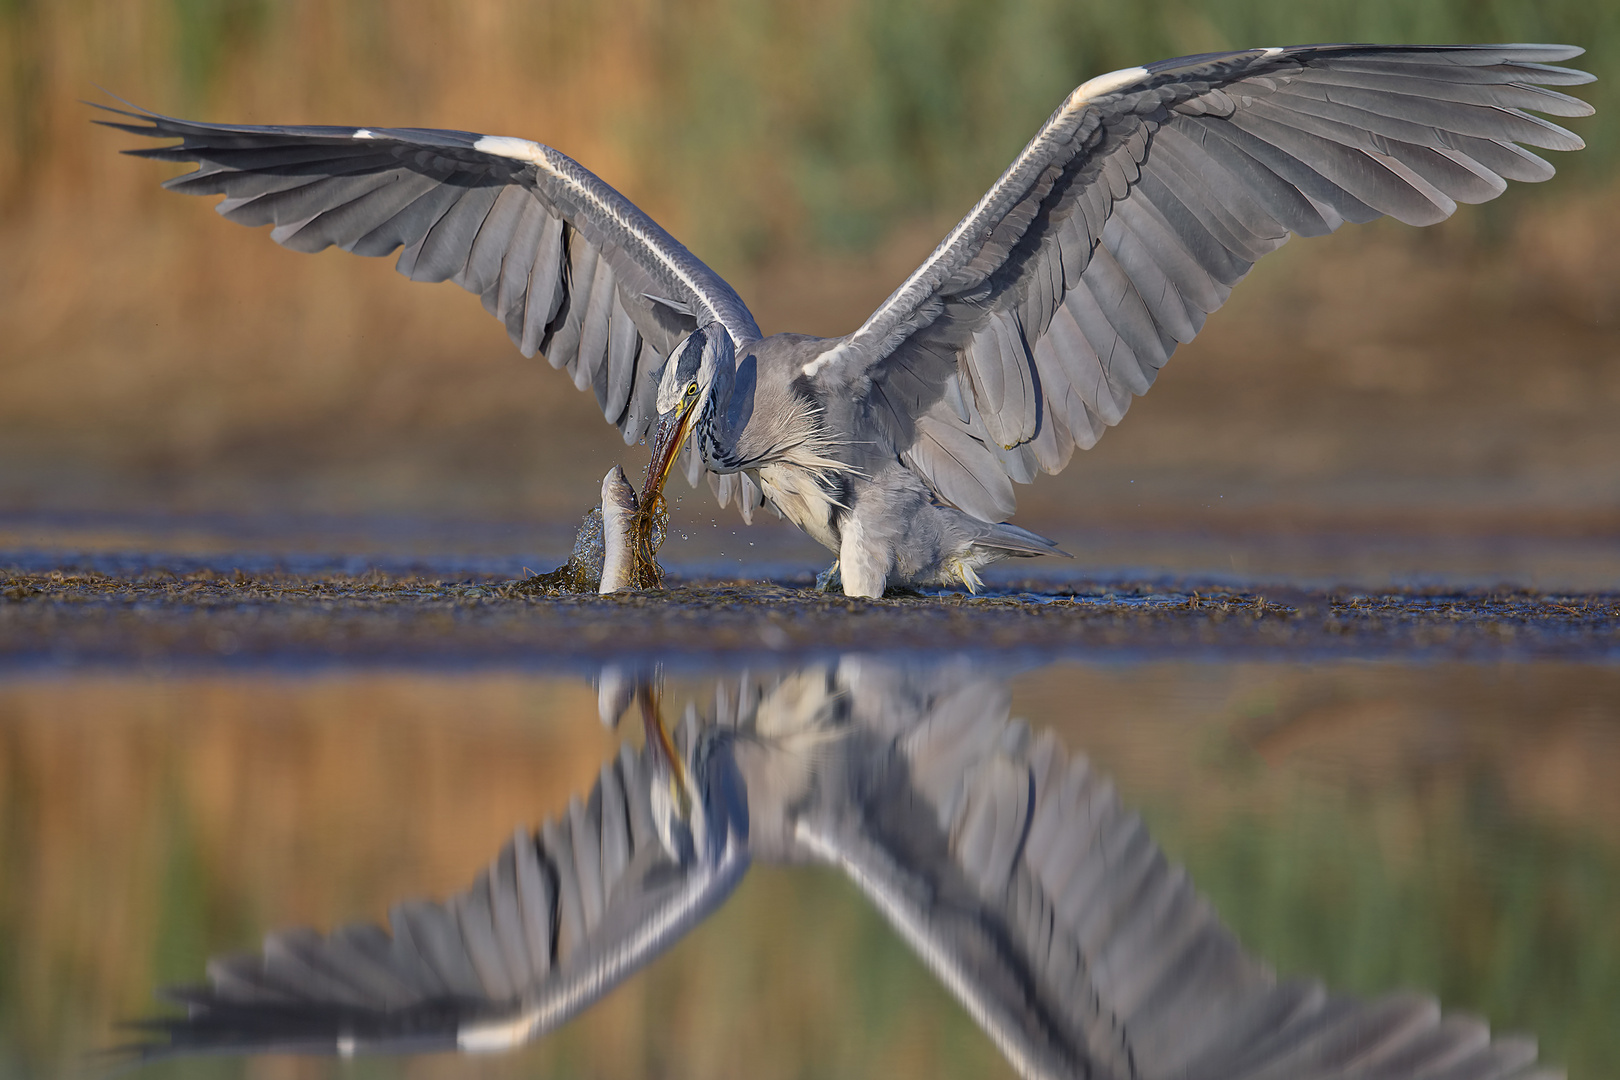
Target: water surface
pixel 1448 828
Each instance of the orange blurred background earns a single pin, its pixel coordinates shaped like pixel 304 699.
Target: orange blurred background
pixel 1454 382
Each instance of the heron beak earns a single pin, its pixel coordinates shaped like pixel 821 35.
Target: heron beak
pixel 672 432
pixel 652 717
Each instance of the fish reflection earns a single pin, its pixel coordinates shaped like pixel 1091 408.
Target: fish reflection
pixel 1005 861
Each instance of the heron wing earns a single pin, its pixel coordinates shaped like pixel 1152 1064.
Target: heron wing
pixel 1046 907
pixel 1139 205
pixel 560 917
pixel 574 269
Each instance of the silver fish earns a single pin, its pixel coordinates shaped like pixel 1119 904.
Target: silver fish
pixel 619 508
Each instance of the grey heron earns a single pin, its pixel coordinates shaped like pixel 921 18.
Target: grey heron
pixel 1006 861
pixel 1128 218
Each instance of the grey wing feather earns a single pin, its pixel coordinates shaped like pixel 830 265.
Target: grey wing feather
pixel 1047 908
pixel 491 967
pixel 1138 206
pixel 571 267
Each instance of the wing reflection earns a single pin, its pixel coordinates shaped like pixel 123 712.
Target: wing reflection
pixel 1006 862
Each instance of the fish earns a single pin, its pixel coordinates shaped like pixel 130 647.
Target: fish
pixel 617 546
pixel 621 519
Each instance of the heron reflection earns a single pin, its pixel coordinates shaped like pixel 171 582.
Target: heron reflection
pixel 1006 861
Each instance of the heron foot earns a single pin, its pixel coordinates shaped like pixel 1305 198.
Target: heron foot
pixel 830 580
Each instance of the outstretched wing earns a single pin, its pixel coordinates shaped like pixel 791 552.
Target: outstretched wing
pixel 1048 910
pixel 1139 205
pixel 559 918
pixel 573 268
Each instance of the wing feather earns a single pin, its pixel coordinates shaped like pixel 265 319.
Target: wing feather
pixel 1145 198
pixel 624 345
pixel 641 414
pixel 1057 367
pixel 405 226
pixel 503 962
pixel 536 902
pixel 1047 908
pixel 1151 239
pixel 960 467
pixel 564 333
pixel 558 837
pixel 1053 444
pixel 590 366
pixel 476 920
pixel 517 305
pixel 1145 269
pixel 548 283
pixel 1290 204
pixel 507 918
pixel 1119 372
pixel 443 250
pixel 1217 213
pixel 508 219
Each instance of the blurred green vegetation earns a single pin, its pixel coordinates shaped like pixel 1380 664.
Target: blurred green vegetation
pixel 837 120
pixel 1497 914
pixel 208 31
pixel 904 108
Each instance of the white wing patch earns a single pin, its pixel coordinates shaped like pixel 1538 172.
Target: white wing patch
pixel 1092 89
pixel 517 149
pixel 497 1035
pixel 363 133
pixel 832 354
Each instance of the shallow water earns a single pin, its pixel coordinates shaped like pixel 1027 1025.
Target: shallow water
pixel 1382 783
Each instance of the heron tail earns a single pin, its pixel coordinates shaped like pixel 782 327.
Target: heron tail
pixel 1011 541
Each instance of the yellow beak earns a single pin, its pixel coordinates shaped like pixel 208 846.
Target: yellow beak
pixel 672 433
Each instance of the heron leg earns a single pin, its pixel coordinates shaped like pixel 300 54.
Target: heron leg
pixel 830 580
pixel 652 719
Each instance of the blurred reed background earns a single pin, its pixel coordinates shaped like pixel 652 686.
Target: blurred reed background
pixel 1449 381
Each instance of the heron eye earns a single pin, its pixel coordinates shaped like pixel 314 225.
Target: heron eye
pixel 691 391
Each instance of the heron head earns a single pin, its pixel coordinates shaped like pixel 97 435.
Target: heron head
pixel 701 361
pixel 699 374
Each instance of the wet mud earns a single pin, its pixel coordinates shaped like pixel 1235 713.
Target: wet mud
pixel 67 618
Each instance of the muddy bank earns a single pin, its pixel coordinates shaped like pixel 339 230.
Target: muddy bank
pixel 158 617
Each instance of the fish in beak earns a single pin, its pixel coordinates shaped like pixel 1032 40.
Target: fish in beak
pixel 672 432
pixel 644 519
